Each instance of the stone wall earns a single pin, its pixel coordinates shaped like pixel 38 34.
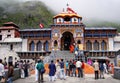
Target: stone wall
pixel 5 51
pixel 16 73
pixel 117 72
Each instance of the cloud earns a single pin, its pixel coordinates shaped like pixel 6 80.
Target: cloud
pixel 106 10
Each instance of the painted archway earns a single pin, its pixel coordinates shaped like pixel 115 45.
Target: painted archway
pixel 66 40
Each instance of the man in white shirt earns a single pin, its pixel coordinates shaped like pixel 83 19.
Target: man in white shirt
pixel 1 69
pixel 78 66
pixel 96 69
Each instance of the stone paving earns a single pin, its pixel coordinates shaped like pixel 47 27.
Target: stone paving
pixel 88 78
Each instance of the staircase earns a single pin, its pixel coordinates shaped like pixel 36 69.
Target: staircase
pixel 66 55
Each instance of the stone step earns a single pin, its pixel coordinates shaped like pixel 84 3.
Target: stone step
pixel 66 55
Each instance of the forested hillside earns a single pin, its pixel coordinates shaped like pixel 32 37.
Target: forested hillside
pixel 26 14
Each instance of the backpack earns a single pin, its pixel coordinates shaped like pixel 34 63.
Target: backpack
pixel 101 67
pixel 62 65
pixel 67 65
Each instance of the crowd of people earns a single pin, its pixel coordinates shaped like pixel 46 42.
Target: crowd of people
pixel 7 77
pixel 72 68
pixel 58 69
pixel 3 76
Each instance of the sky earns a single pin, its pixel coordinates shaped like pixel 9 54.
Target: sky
pixel 106 10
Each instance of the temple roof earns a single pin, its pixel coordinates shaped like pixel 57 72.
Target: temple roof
pixel 100 28
pixel 86 28
pixel 43 29
pixel 11 24
pixel 69 12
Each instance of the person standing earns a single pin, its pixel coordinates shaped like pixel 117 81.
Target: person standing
pixel 10 73
pixel 78 66
pixel 101 68
pixel 36 72
pixel 70 68
pixel 52 70
pixel 105 68
pixel 62 72
pixel 67 68
pixel 89 61
pixel 71 47
pixel 96 69
pixel 76 51
pixel 40 67
pixel 26 68
pixel 57 69
pixel 21 67
pixel 1 69
pixel 82 67
pixel 74 68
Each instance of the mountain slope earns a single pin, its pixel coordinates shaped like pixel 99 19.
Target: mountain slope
pixel 29 14
pixel 98 23
pixel 26 14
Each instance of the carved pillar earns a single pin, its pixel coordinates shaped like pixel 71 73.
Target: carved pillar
pixel 99 45
pixel 92 45
pixel 35 48
pixel 42 46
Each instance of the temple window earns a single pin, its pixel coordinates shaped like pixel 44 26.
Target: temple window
pixel 59 20
pixel 39 46
pixel 96 45
pixel 8 36
pixel 11 47
pixel 103 45
pixel 74 19
pixel 8 30
pixel 88 45
pixel 67 18
pixel 31 46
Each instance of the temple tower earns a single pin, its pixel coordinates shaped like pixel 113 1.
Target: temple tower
pixel 67 29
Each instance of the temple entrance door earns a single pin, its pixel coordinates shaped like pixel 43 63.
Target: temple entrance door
pixel 66 40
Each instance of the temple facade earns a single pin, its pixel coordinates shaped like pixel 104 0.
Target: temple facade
pixel 67 29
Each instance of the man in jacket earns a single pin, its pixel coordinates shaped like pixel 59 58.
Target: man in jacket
pixel 39 67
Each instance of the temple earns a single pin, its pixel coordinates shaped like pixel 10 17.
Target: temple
pixel 67 28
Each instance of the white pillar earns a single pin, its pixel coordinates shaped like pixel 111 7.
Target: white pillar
pixel 42 47
pixel 35 48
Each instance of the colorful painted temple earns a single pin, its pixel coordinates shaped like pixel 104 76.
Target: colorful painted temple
pixel 67 29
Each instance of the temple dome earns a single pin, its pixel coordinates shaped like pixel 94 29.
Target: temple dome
pixel 69 12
